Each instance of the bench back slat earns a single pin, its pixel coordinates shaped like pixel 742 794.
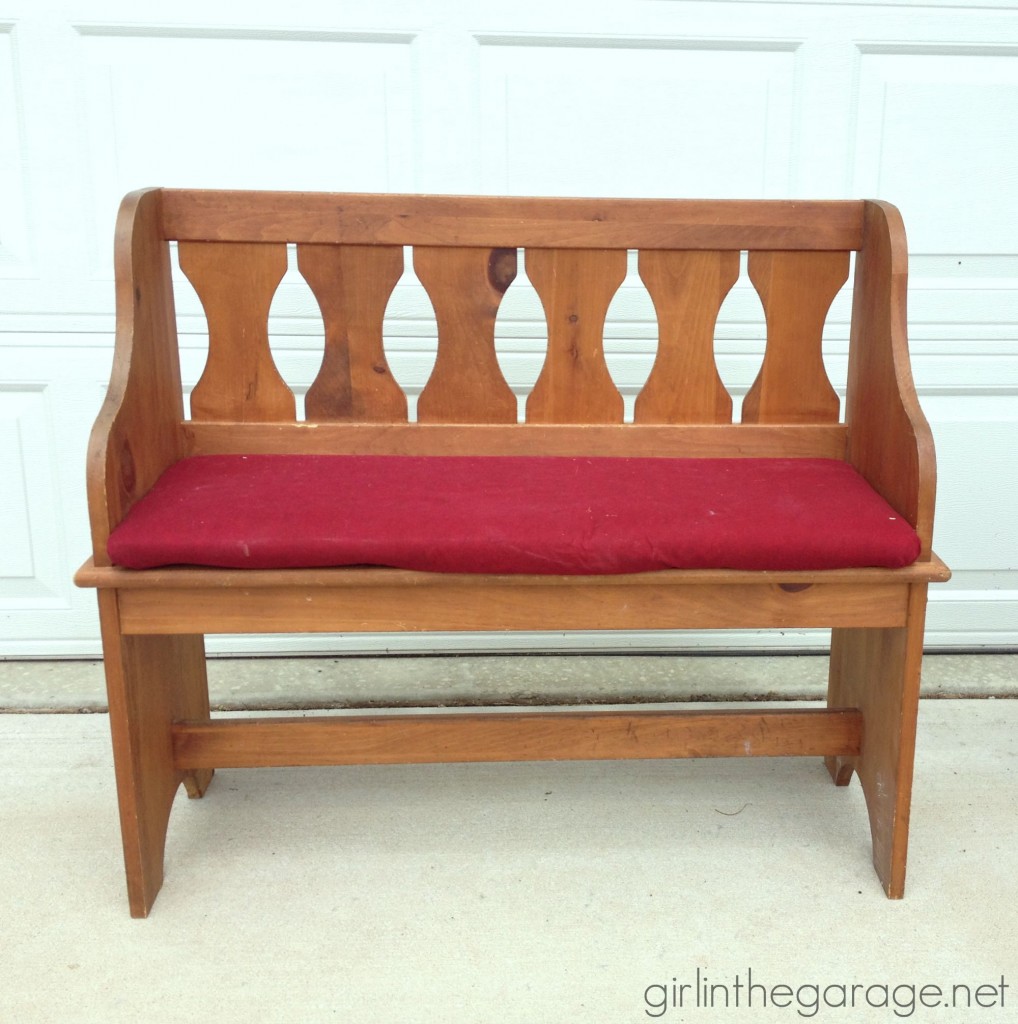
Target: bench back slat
pixel 576 287
pixel 797 289
pixel 352 284
pixel 687 289
pixel 466 287
pixel 235 282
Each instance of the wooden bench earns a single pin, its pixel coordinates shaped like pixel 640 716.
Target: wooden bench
pixel 795 516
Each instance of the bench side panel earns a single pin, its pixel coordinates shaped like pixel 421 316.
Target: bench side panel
pixel 138 432
pixel 889 438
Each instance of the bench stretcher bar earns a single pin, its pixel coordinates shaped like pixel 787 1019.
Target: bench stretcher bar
pixel 526 736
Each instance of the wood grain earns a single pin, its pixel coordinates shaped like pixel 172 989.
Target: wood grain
pixel 529 736
pixel 150 681
pixel 138 432
pixel 890 441
pixel 506 603
pixel 575 288
pixel 878 671
pixel 235 282
pixel 496 222
pixel 466 287
pixel 687 289
pixel 352 284
pixel 797 289
pixel 647 440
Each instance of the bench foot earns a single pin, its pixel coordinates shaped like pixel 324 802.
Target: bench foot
pixel 877 671
pixel 151 681
pixel 841 769
pixel 196 782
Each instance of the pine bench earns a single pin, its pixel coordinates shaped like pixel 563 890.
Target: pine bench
pixel 240 518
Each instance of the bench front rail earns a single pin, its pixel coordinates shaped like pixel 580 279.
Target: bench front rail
pixel 465 251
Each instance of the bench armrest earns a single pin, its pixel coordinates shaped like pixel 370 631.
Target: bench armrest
pixel 138 431
pixel 889 439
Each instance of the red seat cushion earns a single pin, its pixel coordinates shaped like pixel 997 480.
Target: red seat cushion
pixel 509 514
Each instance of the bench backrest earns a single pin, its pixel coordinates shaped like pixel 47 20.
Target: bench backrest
pixel 350 251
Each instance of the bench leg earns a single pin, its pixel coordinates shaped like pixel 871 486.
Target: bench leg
pixel 877 671
pixel 150 682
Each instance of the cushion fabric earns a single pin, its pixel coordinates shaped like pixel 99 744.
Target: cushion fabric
pixel 512 514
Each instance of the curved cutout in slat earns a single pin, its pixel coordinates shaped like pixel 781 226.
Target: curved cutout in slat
pixel 740 337
pixel 521 336
pixel 294 314
pixel 352 284
pixel 235 282
pixel 688 289
pixel 411 334
pixel 630 336
pixel 797 289
pixel 465 287
pixel 576 286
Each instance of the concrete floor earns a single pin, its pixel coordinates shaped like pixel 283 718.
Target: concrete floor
pixel 510 893
pixel 450 680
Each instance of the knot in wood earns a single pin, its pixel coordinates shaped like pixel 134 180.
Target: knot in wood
pixel 502 268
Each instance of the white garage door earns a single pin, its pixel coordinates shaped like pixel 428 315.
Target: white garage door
pixel 910 102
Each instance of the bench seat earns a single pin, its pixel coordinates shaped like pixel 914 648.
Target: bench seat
pixel 512 514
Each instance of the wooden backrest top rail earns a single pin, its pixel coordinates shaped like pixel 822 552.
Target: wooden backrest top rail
pixel 370 219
